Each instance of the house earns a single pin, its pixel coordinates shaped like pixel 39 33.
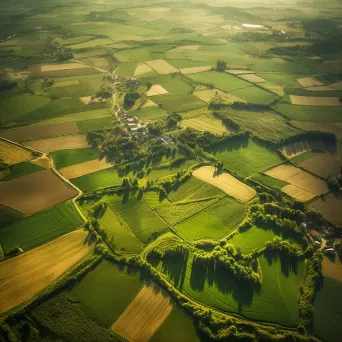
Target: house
pixel 314 233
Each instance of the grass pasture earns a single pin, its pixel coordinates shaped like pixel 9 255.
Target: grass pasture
pixel 98 180
pixel 161 67
pixel 65 158
pixel 40 228
pixel 309 113
pixel 205 123
pixel 253 238
pixel 8 215
pixel 246 158
pixel 194 189
pixel 269 181
pixel 254 94
pixel 320 127
pixel 135 213
pixel 22 169
pixel 179 102
pixel 118 234
pixel 265 125
pixel 150 113
pixel 221 81
pixel 95 124
pixel 327 320
pixel 202 226
pixel 209 95
pixel 18 108
pixel 34 192
pixel 227 183
pixel 77 90
pixel 29 273
pixel 150 308
pixel 115 288
pixel 178 212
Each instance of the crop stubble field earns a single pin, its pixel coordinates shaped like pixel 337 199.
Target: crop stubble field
pixel 27 274
pixel 144 315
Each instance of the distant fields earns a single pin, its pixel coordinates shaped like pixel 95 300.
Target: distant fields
pixel 265 125
pixel 178 102
pixel 117 233
pixel 246 158
pixel 310 113
pixel 64 158
pixel 40 228
pixel 205 123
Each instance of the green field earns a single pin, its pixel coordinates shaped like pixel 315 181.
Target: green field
pixel 19 108
pixel 194 189
pixel 265 125
pixel 95 124
pixel 221 80
pixel 178 102
pixel 64 158
pixel 76 117
pixel 105 292
pixel 77 90
pixel 269 181
pixel 98 180
pixel 255 95
pixel 138 216
pixel 40 228
pixel 150 113
pixel 275 301
pixel 179 326
pixel 247 158
pixel 202 226
pixel 178 212
pixel 310 113
pixel 328 311
pixel 22 169
pixel 304 156
pixel 253 238
pixel 8 215
pixel 118 234
pixel 229 211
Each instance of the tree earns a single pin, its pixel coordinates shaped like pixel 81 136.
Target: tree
pixel 221 65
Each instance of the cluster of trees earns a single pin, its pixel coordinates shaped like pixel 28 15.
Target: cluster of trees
pixel 284 212
pixel 190 140
pixel 310 285
pixel 223 257
pixel 335 183
pixel 284 247
pixel 311 135
pixel 173 183
pixel 178 250
pixel 159 127
pixel 130 99
pixel 221 65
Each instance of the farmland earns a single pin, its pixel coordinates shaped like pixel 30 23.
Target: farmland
pixel 298 178
pixel 170 171
pixel 226 183
pixel 246 158
pixel 118 234
pixel 149 308
pixel 24 273
pixel 34 186
pixel 40 228
pixel 67 142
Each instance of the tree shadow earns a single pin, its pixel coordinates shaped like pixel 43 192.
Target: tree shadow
pixel 287 264
pixel 212 274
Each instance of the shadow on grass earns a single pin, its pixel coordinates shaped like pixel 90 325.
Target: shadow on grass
pixel 288 265
pixel 226 283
